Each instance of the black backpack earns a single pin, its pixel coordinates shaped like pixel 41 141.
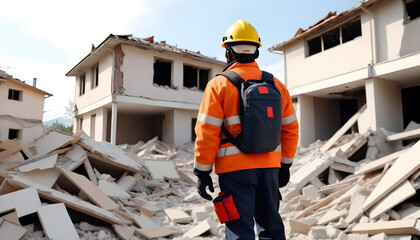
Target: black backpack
pixel 260 114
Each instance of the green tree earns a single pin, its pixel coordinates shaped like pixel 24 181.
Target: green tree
pixel 61 127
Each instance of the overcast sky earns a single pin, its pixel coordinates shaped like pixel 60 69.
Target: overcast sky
pixel 46 38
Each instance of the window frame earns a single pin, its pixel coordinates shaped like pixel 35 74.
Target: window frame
pixel 407 18
pixel 198 81
pixel 95 77
pixel 18 133
pixel 12 93
pixel 82 84
pixel 331 29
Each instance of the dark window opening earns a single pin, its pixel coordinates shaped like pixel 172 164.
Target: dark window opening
pixel 314 46
pixel 344 33
pixel 193 135
pixel 294 100
pixel 351 30
pixel 95 77
pixel 15 95
pixel 162 72
pixel 82 85
pixel 190 76
pixel 331 38
pixel 195 77
pixel 14 133
pixel 412 8
pixel 410 99
pixel 204 79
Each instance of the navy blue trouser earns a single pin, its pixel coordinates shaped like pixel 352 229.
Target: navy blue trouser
pixel 256 196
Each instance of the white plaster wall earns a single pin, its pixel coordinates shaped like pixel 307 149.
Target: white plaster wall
pixel 138 75
pixel 344 58
pixel 103 89
pixel 31 106
pixel 169 127
pixel 306 118
pixel 183 126
pixel 28 134
pixel 384 104
pixel 395 37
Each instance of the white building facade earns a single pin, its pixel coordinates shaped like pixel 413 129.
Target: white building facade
pixel 130 89
pixel 21 109
pixel 369 55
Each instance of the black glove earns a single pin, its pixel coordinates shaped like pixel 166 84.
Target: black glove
pixel 284 174
pixel 204 180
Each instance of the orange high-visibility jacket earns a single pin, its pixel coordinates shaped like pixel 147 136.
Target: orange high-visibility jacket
pixel 220 105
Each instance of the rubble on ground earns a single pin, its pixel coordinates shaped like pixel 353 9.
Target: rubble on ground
pixel 355 186
pixel 66 186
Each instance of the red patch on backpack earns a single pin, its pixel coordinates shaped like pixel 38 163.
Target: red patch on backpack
pixel 270 112
pixel 263 90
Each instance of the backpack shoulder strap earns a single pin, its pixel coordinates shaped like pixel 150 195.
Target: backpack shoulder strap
pixel 267 77
pixel 234 78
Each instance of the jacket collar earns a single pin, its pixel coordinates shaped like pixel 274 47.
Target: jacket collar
pixel 238 64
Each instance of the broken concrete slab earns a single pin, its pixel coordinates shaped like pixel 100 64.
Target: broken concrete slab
pixel 201 228
pixel 356 209
pixel 162 193
pixel 72 158
pixel 404 166
pixel 10 147
pixel 342 167
pixel 10 231
pixel 127 182
pixel 332 215
pixel 25 201
pixel 53 140
pixel 111 189
pixel 56 222
pixel 146 207
pixel 396 196
pixel 155 233
pixel 6 187
pixel 70 201
pixel 42 162
pixel 409 211
pixel 177 216
pixel 145 222
pixel 87 187
pixel 311 192
pixel 299 226
pixel 310 170
pixel 405 226
pixel 406 135
pixel 124 232
pixel 13 158
pixel 12 218
pixel 343 129
pixel 112 154
pixel 378 163
pixel 45 177
pixel 162 168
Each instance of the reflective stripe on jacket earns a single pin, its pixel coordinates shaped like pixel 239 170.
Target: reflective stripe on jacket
pixel 220 105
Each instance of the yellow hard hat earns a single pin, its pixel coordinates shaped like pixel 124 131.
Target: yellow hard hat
pixel 241 31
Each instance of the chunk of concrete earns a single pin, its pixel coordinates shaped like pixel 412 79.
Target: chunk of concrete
pixel 25 201
pixel 56 222
pixel 124 232
pixel 297 226
pixel 311 192
pixel 177 216
pixel 202 227
pixel 11 231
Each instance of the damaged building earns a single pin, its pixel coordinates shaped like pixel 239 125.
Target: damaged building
pixel 130 89
pixel 368 55
pixel 22 109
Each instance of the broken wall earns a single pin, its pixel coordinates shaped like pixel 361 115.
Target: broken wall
pixel 178 126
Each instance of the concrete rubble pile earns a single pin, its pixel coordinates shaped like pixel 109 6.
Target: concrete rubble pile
pixel 355 186
pixel 71 187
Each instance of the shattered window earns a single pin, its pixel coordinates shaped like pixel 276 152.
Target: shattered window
pixel 412 8
pixel 15 95
pixel 82 85
pixel 195 77
pixel 351 30
pixel 14 133
pixel 162 72
pixel 344 33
